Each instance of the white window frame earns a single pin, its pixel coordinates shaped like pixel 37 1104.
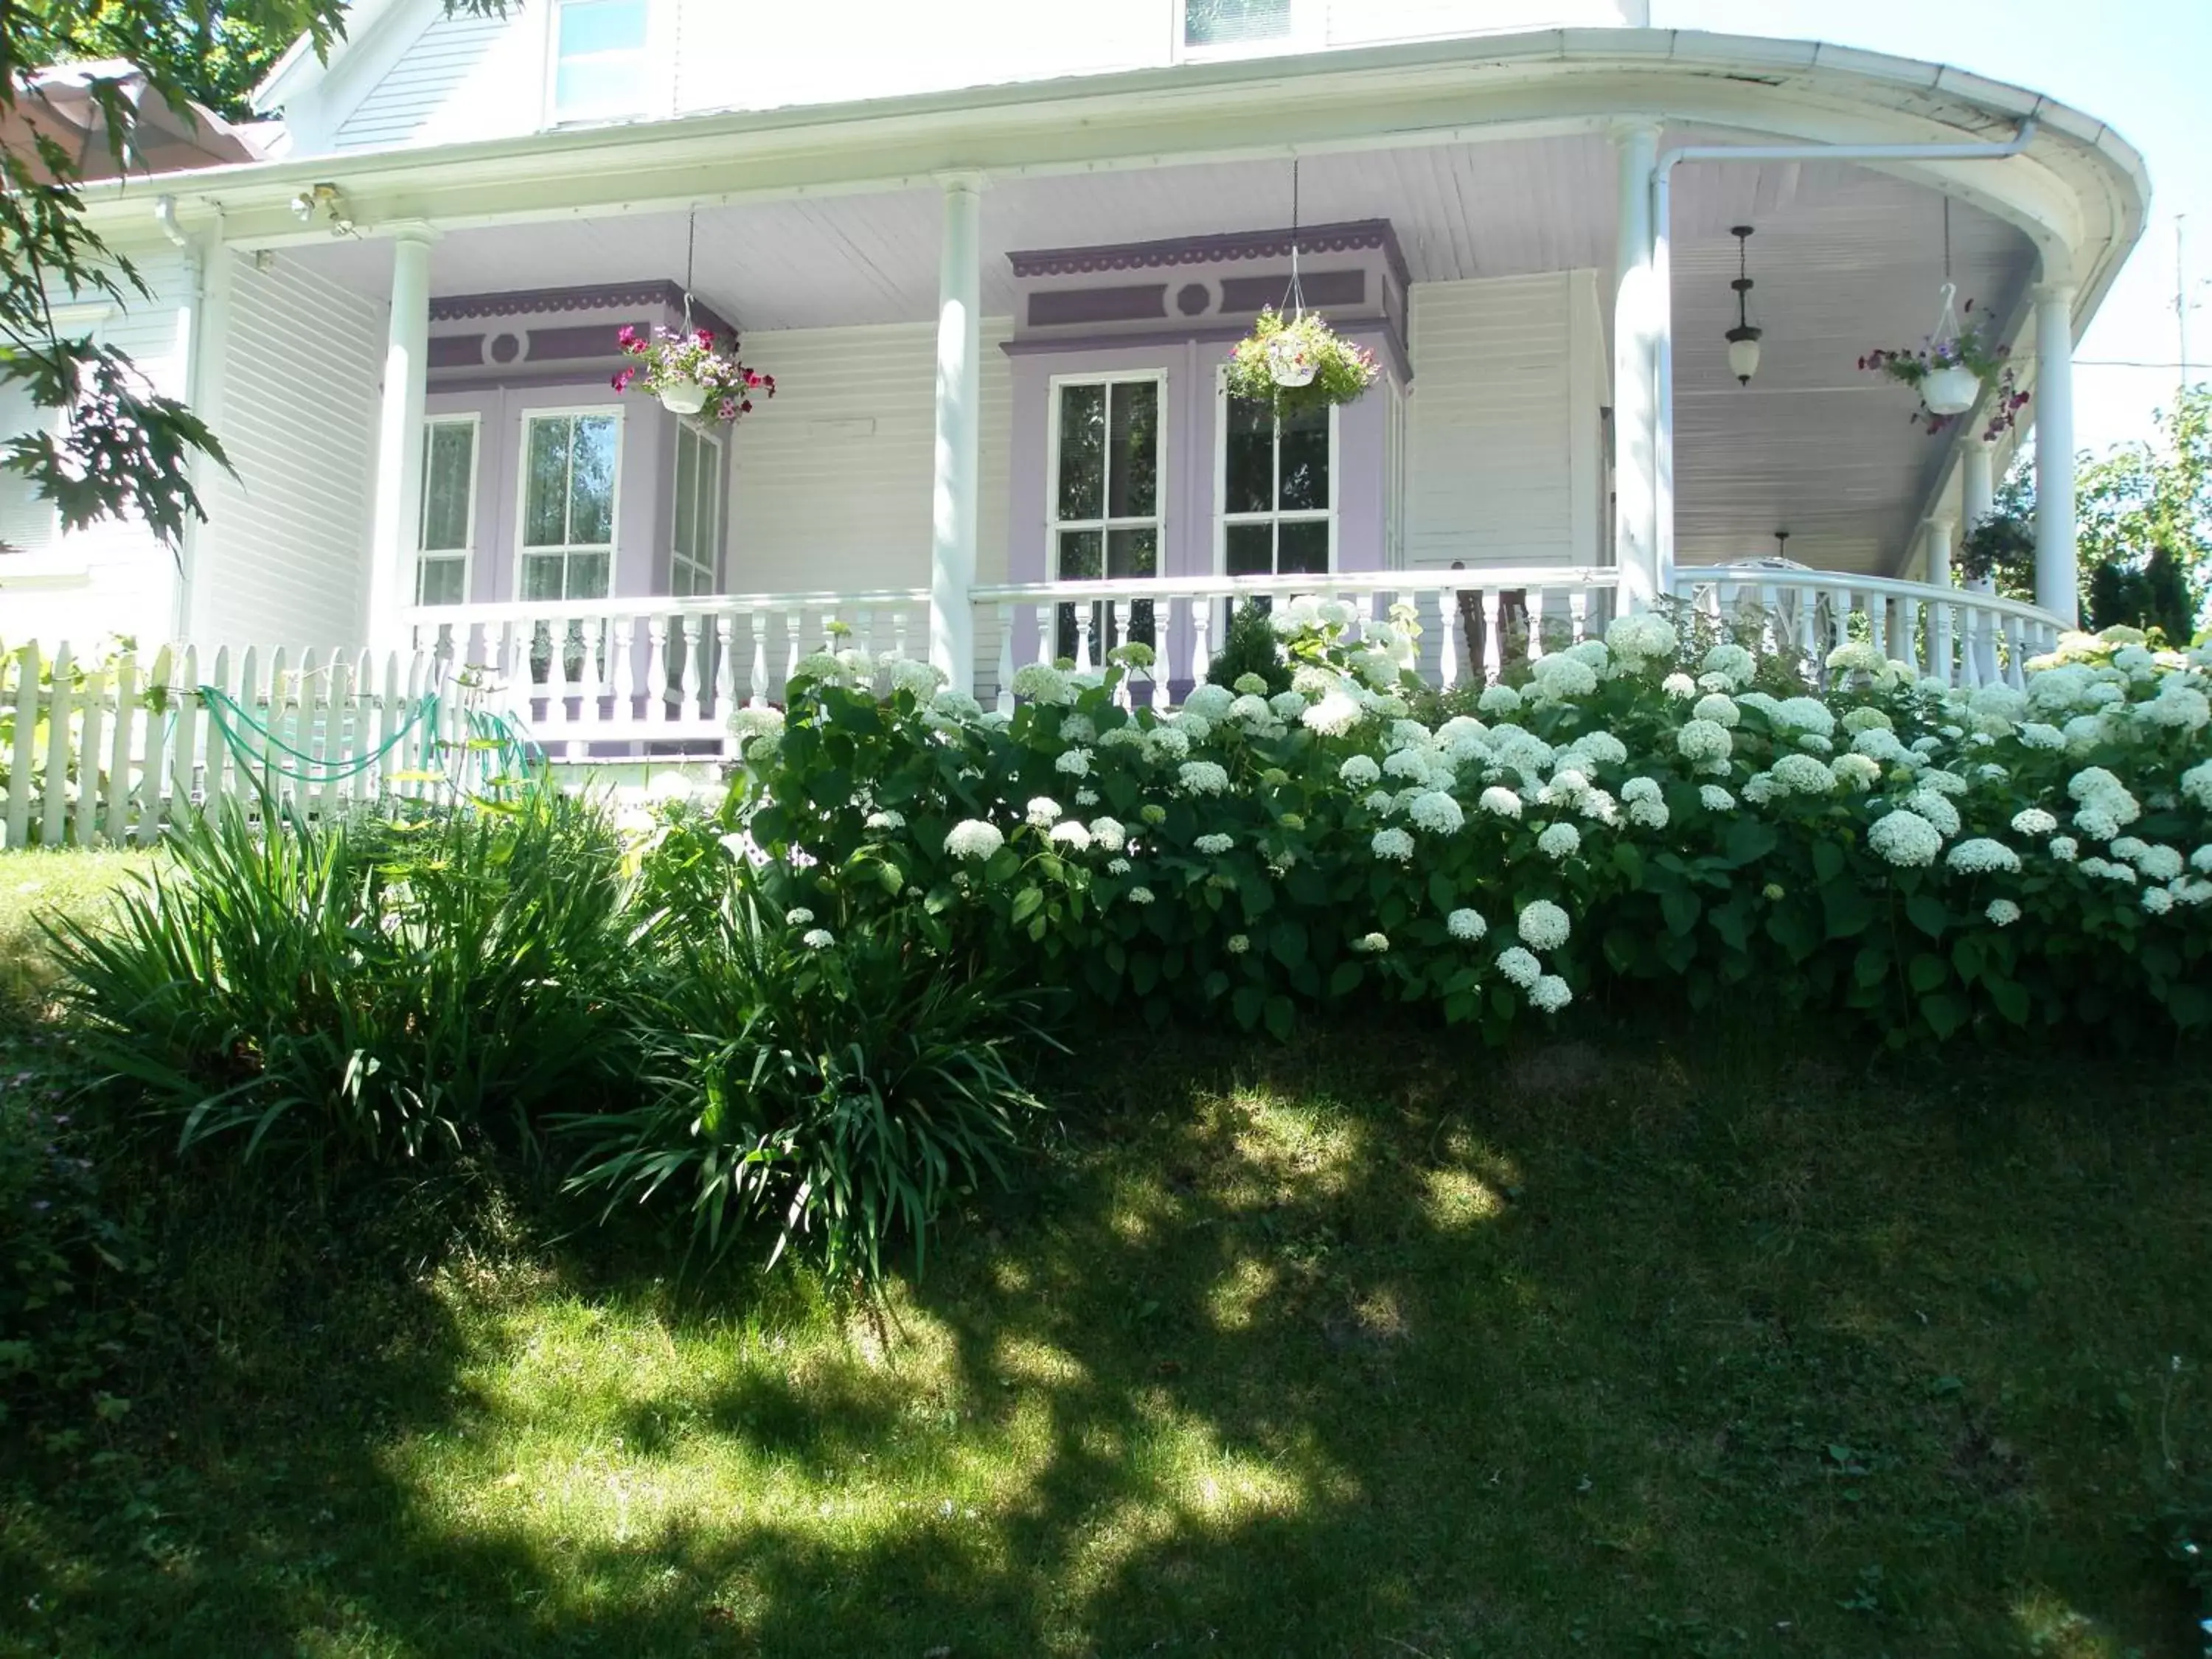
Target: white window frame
pixel 467 551
pixel 1223 518
pixel 1306 33
pixel 1158 522
pixel 659 51
pixel 711 566
pixel 612 549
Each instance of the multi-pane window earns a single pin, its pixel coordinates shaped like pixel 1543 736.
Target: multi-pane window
pixel 1106 496
pixel 569 463
pixel 1277 491
pixel 449 511
pixel 603 67
pixel 695 537
pixel 1235 22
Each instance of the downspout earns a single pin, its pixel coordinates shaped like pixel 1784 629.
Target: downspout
pixel 1662 174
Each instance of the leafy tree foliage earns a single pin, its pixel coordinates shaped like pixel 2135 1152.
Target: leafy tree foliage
pixel 119 449
pixel 2145 517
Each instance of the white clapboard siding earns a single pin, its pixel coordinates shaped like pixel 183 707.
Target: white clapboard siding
pixel 120 753
pixel 286 551
pixel 436 71
pixel 1487 473
pixel 837 484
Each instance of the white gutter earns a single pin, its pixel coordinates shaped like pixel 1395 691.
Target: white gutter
pixel 1662 174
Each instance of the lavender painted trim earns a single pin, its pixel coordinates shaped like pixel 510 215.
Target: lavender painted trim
pixel 1060 307
pixel 1245 296
pixel 1393 343
pixel 457 352
pixel 1352 236
pixel 606 296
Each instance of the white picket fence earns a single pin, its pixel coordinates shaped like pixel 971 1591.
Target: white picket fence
pixel 115 752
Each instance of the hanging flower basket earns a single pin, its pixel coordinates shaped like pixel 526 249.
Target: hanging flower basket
pixel 1949 370
pixel 1299 363
pixel 690 375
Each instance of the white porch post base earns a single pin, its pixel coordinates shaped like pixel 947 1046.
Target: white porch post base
pixel 2056 589
pixel 398 500
pixel 959 398
pixel 1635 378
pixel 1939 616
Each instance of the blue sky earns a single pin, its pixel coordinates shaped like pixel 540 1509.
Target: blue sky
pixel 2145 66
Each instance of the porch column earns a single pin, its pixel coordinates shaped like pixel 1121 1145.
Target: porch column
pixel 959 398
pixel 398 500
pixel 1940 615
pixel 1978 491
pixel 1635 380
pixel 2056 587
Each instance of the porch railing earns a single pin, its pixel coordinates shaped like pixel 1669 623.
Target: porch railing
pixel 1473 622
pixel 1960 636
pixel 659 672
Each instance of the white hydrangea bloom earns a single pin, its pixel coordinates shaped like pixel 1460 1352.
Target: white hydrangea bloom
pixel 1805 715
pixel 1335 715
pixel 2095 788
pixel 1251 709
pixel 1467 926
pixel 2197 784
pixel 1856 771
pixel 1250 685
pixel 1381 800
pixel 1202 777
pixel 2176 708
pixel 2032 821
pixel 1042 812
pixel 1437 813
pixel 1109 833
pixel 1732 660
pixel 797 916
pixel 746 724
pixel 2129 847
pixel 1759 789
pixel 1394 845
pixel 1717 707
pixel 1568 785
pixel 2097 823
pixel 1981 855
pixel 1140 896
pixel 1866 718
pixel 2191 891
pixel 1214 845
pixel 1559 840
pixel 1593 654
pixel 1312 681
pixel 2065 848
pixel 974 840
pixel 1641 636
pixel 1714 798
pixel 1937 809
pixel 1072 835
pixel 1194 727
pixel 1561 676
pixel 1813 743
pixel 1640 788
pixel 1600 807
pixel 1648 814
pixel 1373 943
pixel 1542 925
pixel 817 939
pixel 1880 745
pixel 2161 863
pixel 2157 901
pixel 1040 682
pixel 1857 657
pixel 1209 701
pixel 886 819
pixel 1238 944
pixel 1359 771
pixel 1501 801
pixel 2108 870
pixel 1550 993
pixel 1519 967
pixel 1411 764
pixel 2202 859
pixel 1905 839
pixel 1077 727
pixel 1286 705
pixel 1117 867
pixel 1942 782
pixel 1169 742
pixel 1679 686
pixel 1499 700
pixel 2002 912
pixel 1703 739
pixel 1073 762
pixel 1803 774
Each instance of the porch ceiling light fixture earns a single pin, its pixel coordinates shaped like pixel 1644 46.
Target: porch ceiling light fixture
pixel 1743 340
pixel 324 202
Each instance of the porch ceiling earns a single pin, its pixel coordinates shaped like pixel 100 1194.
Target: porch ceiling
pixel 1844 259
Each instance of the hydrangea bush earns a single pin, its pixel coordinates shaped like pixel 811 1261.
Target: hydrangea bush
pixel 1937 859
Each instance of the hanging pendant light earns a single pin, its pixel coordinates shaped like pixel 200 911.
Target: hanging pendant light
pixel 1743 340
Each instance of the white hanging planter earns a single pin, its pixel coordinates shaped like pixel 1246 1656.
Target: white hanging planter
pixel 1951 391
pixel 683 396
pixel 1289 362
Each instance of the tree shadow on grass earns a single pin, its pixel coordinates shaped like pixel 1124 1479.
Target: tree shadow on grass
pixel 1356 1350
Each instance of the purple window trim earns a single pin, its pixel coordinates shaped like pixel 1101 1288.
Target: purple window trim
pixel 1375 333
pixel 608 296
pixel 1059 308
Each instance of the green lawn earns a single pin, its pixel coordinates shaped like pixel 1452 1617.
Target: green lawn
pixel 36 883
pixel 1378 1345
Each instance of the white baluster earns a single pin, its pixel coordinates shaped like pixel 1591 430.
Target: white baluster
pixel 1446 639
pixel 2015 675
pixel 725 626
pixel 1534 598
pixel 1201 640
pixel 1004 701
pixel 1048 627
pixel 1578 613
pixel 756 681
pixel 621 683
pixel 794 625
pixel 1081 638
pixel 1493 646
pixel 694 646
pixel 1117 634
pixel 898 630
pixel 1908 636
pixel 656 669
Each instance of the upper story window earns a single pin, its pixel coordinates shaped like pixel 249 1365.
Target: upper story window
pixel 1230 24
pixel 603 65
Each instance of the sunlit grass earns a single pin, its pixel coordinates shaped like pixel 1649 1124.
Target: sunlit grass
pixel 1359 1349
pixel 38 884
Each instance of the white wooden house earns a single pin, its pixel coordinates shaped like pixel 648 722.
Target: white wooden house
pixel 970 238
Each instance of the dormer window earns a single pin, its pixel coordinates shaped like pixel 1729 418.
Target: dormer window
pixel 1210 25
pixel 602 68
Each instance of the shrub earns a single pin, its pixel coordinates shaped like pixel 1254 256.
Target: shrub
pixel 829 1073
pixel 373 988
pixel 1933 859
pixel 1251 647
